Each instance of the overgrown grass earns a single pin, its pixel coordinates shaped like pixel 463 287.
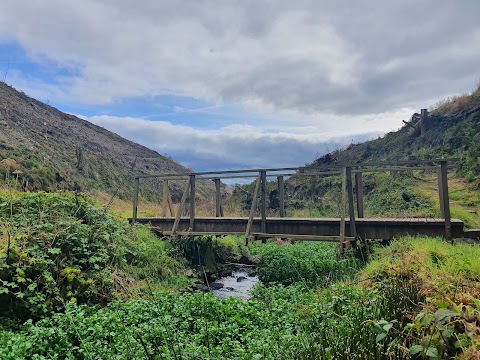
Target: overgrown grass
pixel 442 269
pixel 57 248
pixel 313 263
pixel 418 298
pixel 339 323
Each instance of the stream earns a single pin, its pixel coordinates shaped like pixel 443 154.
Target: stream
pixel 236 285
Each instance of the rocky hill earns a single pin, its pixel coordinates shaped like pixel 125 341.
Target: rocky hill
pixel 53 150
pixel 452 129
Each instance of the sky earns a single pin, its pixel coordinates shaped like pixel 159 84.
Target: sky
pixel 231 84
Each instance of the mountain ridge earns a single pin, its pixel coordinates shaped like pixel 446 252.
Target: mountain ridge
pixel 54 150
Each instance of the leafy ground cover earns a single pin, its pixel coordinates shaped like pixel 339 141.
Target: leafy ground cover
pixel 57 248
pixel 78 284
pixel 314 264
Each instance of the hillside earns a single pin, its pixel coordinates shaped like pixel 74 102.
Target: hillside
pixel 452 130
pixel 54 150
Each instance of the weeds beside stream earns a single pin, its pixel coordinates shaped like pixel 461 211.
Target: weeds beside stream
pixel 93 288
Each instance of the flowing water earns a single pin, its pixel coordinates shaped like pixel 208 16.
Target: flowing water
pixel 237 285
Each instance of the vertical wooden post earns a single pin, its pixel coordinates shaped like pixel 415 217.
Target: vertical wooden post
pixel 281 195
pixel 440 192
pixel 170 202
pixel 165 200
pixel 342 209
pixel 351 206
pixel 192 202
pixel 180 209
pixel 263 204
pixel 218 198
pixel 135 200
pixel 359 192
pixel 446 200
pixel 253 208
pixel 423 122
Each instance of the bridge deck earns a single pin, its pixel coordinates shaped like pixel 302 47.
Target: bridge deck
pixel 325 229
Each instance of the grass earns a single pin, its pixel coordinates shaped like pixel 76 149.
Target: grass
pixel 107 290
pixel 352 319
pixel 442 269
pixel 57 248
pixel 316 264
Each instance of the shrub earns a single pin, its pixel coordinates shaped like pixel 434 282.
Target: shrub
pixel 57 248
pixel 313 263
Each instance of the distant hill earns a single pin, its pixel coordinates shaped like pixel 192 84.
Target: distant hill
pixel 54 150
pixel 452 130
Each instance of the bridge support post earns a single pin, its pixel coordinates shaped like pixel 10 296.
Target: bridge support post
pixel 440 192
pixel 342 210
pixel 167 203
pixel 192 203
pixel 135 200
pixel 351 206
pixel 263 204
pixel 444 199
pixel 252 210
pixel 180 209
pixel 218 199
pixel 281 195
pixel 359 193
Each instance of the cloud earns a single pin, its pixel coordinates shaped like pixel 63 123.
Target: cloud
pixel 241 146
pixel 263 83
pixel 304 56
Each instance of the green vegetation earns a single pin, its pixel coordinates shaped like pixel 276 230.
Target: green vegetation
pixel 77 284
pixel 315 264
pixel 58 248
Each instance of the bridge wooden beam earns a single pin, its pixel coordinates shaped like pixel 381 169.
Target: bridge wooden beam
pixel 342 210
pixel 135 199
pixel 281 195
pixel 192 202
pixel 263 203
pixel 252 210
pixel 359 193
pixel 218 199
pixel 180 209
pixel 444 199
pixel 351 206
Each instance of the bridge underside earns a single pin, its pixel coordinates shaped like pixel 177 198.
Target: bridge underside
pixel 307 229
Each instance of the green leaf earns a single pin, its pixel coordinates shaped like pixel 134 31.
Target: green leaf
pixel 444 314
pixel 54 251
pixel 427 319
pixel 387 327
pixel 380 337
pixel 415 349
pixel 432 352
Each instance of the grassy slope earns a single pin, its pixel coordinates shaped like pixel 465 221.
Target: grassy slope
pixel 54 150
pixel 405 302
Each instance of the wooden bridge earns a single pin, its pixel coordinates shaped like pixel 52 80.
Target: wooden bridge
pixel 346 230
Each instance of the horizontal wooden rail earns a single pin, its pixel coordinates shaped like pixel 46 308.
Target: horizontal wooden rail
pixel 328 238
pixel 393 163
pixel 397 169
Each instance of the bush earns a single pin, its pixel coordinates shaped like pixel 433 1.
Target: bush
pixel 312 263
pixel 57 248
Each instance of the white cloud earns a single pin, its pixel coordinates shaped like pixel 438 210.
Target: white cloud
pixel 304 72
pixel 307 56
pixel 247 145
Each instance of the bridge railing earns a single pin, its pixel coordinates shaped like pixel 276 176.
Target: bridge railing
pixel 352 183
